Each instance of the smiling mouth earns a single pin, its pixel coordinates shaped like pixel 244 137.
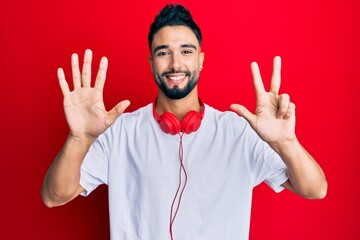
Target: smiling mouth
pixel 176 77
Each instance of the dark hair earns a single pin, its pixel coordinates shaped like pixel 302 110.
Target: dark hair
pixel 173 15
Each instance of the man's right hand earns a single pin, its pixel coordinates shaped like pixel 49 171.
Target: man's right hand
pixel 84 106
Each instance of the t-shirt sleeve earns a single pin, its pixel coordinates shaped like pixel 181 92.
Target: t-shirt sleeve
pixel 94 168
pixel 270 167
pixel 265 164
pixel 278 177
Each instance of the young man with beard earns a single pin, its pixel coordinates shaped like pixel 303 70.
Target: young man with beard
pixel 177 168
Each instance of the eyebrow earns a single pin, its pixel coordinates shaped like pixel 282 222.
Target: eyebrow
pixel 187 45
pixel 161 47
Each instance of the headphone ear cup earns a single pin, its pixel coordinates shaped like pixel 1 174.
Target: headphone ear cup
pixel 169 123
pixel 191 122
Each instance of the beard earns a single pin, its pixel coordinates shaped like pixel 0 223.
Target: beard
pixel 175 92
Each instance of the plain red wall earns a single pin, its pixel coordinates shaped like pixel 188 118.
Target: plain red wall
pixel 317 40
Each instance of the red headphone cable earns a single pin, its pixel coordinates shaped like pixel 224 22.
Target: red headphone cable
pixel 182 169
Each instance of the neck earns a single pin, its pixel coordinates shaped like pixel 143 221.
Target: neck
pixel 178 107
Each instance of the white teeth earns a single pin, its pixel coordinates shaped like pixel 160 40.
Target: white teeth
pixel 176 78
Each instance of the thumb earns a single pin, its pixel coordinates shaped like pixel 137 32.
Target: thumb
pixel 244 112
pixel 119 109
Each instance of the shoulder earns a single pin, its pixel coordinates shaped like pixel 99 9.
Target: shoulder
pixel 227 124
pixel 132 119
pixel 226 118
pixel 143 112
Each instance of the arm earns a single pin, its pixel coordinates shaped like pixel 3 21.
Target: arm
pixel 87 118
pixel 274 122
pixel 306 177
pixel 61 183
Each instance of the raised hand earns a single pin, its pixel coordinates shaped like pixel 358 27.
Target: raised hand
pixel 84 107
pixel 274 117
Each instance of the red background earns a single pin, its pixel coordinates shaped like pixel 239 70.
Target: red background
pixel 317 40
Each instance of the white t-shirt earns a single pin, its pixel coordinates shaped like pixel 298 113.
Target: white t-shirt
pixel 224 160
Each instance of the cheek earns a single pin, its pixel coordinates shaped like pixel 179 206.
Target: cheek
pixel 192 63
pixel 159 66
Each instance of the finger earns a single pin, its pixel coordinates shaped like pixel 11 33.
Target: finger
pixel 75 71
pixel 258 83
pixel 86 70
pixel 291 111
pixel 62 81
pixel 283 105
pixel 118 109
pixel 101 75
pixel 244 112
pixel 276 76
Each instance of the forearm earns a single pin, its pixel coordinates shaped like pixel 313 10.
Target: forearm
pixel 61 183
pixel 305 175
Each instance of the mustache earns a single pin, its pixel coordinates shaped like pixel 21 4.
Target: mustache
pixel 175 71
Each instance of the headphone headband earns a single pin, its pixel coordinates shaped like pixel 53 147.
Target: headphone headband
pixel 169 123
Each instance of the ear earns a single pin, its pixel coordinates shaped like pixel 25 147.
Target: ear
pixel 201 60
pixel 150 58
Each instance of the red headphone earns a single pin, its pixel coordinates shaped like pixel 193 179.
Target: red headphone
pixel 169 123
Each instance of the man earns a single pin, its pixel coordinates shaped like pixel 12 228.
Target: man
pixel 178 168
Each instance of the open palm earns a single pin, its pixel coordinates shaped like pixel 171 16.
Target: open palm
pixel 84 107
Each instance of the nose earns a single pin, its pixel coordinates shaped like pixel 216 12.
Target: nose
pixel 175 62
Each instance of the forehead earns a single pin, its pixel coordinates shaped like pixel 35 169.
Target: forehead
pixel 174 36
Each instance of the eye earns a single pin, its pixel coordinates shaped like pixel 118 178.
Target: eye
pixel 160 54
pixel 187 52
